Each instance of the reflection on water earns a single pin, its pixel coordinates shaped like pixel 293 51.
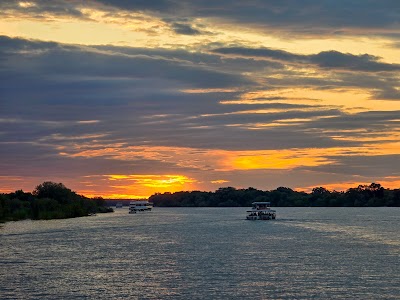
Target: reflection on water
pixel 205 253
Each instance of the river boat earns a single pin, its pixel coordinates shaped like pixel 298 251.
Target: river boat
pixel 139 206
pixel 261 211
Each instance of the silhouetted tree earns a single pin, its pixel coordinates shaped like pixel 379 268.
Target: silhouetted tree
pixel 363 195
pixel 49 200
pixel 55 191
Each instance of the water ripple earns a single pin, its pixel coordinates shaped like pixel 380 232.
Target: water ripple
pixel 204 253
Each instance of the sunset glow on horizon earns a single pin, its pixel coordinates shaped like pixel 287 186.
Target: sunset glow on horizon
pixel 126 99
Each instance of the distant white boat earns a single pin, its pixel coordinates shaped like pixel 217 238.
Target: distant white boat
pixel 118 205
pixel 135 206
pixel 261 211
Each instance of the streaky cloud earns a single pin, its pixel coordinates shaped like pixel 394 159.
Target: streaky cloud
pixel 326 59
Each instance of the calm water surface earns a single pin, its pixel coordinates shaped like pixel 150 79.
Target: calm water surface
pixel 205 253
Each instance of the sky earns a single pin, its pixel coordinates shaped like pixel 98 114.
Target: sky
pixel 124 99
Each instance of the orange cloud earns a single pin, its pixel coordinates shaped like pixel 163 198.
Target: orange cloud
pixel 220 181
pixel 225 160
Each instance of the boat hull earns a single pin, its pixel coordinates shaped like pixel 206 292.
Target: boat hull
pixel 262 217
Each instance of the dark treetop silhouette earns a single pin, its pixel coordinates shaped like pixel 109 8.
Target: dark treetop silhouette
pixel 363 195
pixel 48 201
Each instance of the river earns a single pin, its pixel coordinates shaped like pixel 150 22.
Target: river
pixel 205 253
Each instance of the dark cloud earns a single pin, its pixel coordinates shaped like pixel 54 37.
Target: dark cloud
pixel 143 5
pixel 39 8
pixel 325 59
pixel 12 46
pixel 372 124
pixel 213 61
pixel 260 52
pixel 88 62
pixel 362 166
pixel 185 29
pixel 388 93
pixel 295 18
pixel 363 62
pixel 307 16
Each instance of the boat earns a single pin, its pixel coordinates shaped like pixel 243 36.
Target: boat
pixel 135 206
pixel 261 211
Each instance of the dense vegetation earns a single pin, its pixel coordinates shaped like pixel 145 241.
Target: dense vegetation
pixel 48 201
pixel 363 195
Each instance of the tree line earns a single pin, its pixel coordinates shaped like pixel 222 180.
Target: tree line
pixel 372 195
pixel 49 200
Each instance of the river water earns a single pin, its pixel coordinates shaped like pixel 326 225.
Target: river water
pixel 205 253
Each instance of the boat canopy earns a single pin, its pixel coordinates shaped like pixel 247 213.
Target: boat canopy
pixel 139 202
pixel 261 205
